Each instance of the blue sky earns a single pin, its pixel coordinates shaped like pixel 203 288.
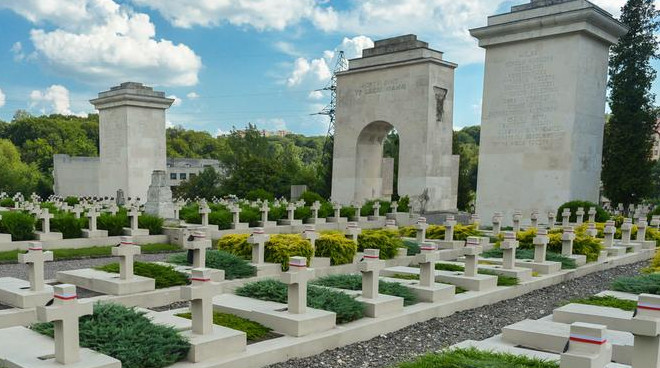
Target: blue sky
pixel 228 62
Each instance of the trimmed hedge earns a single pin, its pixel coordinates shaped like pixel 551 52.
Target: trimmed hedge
pixel 346 307
pixel 128 335
pixel 387 241
pixel 461 232
pixel 165 276
pixel 278 249
pixel 19 224
pixel 337 247
pixel 114 224
pixel 234 266
pixel 67 224
pixel 354 282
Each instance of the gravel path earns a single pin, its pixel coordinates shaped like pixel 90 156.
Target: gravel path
pixel 20 270
pixel 475 324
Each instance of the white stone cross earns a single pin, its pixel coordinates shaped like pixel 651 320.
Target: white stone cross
pixel 567 238
pixel 655 222
pixel 291 211
pixel 540 242
pixel 310 234
pixel 200 293
pixel 449 228
pixel 641 230
pixel 204 211
pixel 198 245
pixel 77 210
pixel 297 278
pixel 376 207
pixel 508 247
pixel 475 220
pixel 126 250
pixel 337 208
pixel 258 239
pixel 497 223
pixel 92 215
pixel 626 230
pixel 551 219
pixel 579 215
pixel 471 252
pixel 517 217
pixel 421 227
pixel 316 206
pixel 264 212
pixel 357 208
pixel 645 326
pixel 236 215
pixel 370 268
pixel 390 224
pixel 134 215
pixel 113 209
pixel 591 230
pixel 587 347
pixel 353 231
pixel 592 214
pixel 65 313
pixel 566 216
pixel 426 260
pixel 394 206
pixel 45 217
pixel 608 234
pixel 534 217
pixel 176 207
pixel 35 258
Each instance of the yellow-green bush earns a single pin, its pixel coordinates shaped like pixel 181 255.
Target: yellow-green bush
pixel 461 232
pixel 655 265
pixel 387 241
pixel 582 244
pixel 278 249
pixel 408 231
pixel 337 247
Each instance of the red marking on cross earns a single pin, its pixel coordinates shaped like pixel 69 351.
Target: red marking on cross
pixel 371 257
pixel 200 279
pixel 66 297
pixel 588 340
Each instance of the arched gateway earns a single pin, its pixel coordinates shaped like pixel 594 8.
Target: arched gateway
pixel 398 84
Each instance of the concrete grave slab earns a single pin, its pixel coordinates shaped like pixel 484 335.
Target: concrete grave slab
pixel 105 282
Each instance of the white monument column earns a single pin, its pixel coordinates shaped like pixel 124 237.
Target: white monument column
pixel 132 138
pixel 543 104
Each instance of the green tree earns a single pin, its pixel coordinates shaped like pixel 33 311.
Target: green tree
pixel 205 185
pixel 17 176
pixel 628 133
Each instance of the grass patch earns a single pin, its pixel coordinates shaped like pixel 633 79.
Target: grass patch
pixel 608 301
pixel 566 263
pixel 255 331
pixel 354 282
pixel 413 247
pixel 90 252
pixel 644 284
pixel 127 335
pixel 234 266
pixel 473 358
pixel 458 290
pixel 165 276
pixel 345 306
pixel 501 280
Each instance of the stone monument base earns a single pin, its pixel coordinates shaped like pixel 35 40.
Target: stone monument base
pixel 47 236
pixel 105 282
pixel 204 347
pixel 95 233
pixel 317 221
pixel 381 306
pixel 16 293
pixel 288 222
pixel 135 232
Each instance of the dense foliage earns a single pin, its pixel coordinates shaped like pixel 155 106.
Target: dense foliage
pixel 234 266
pixel 601 214
pixel 354 282
pixel 473 358
pixel 278 249
pixel 337 247
pixel 387 241
pixel 644 284
pixel 627 164
pixel 127 335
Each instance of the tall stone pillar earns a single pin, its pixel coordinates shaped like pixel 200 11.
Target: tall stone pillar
pixel 132 138
pixel 543 108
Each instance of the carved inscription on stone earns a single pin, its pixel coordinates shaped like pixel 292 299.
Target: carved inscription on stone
pixel 378 87
pixel 527 105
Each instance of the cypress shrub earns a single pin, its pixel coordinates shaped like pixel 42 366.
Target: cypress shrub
pixel 151 222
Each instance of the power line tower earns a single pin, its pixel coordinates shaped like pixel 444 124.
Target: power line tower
pixel 341 64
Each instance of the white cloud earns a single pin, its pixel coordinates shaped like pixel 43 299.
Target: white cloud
pixel 259 14
pixel 315 95
pixel 177 100
pixel 2 98
pixel 192 95
pixel 101 42
pixel 54 99
pixel 221 132
pixel 271 124
pixel 287 48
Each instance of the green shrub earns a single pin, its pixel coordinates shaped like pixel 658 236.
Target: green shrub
pixel 151 222
pixel 601 214
pixel 310 197
pixel 222 218
pixel 326 210
pixel 354 282
pixel 608 301
pixel 127 335
pixel 449 267
pixel 7 202
pixel 71 201
pixel 644 284
pixel 114 224
pixel 190 214
pixel 501 280
pixel 234 266
pixel 277 213
pixel 249 215
pixel 253 330
pixel 473 358
pixel 262 194
pixel 583 244
pixel 19 224
pixel 278 249
pixel 437 232
pixel 408 232
pixel 348 212
pixel 368 208
pixel 303 213
pixel 346 307
pixel 413 247
pixel 67 224
pixel 337 247
pixel 566 263
pixel 386 240
pixel 404 204
pixel 165 276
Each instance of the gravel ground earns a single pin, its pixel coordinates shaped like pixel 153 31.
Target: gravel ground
pixel 475 324
pixel 20 270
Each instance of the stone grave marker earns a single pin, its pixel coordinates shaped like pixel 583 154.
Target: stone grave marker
pixel 421 227
pixel 587 347
pixel 645 326
pixel 471 253
pixel 126 251
pixel 296 279
pixel 258 239
pixel 35 258
pixel 517 218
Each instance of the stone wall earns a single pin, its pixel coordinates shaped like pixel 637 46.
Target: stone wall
pixel 75 176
